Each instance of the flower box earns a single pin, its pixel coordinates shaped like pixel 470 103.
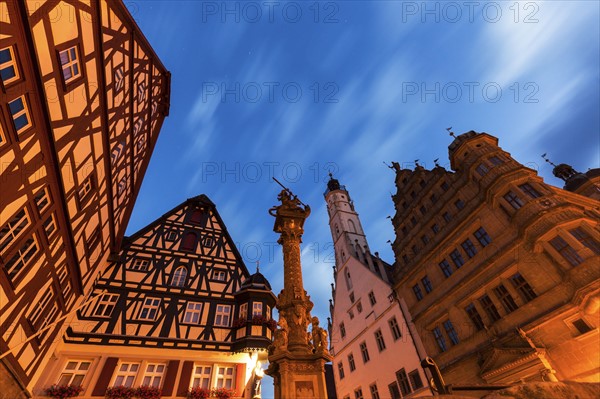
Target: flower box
pixel 63 391
pixel 148 392
pixel 120 392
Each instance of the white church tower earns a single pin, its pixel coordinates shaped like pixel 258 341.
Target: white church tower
pixel 347 232
pixel 374 350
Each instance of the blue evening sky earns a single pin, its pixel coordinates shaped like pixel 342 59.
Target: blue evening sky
pixel 295 89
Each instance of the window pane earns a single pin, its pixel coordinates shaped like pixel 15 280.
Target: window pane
pixel 129 381
pixel 84 366
pixel 65 379
pixel 5 55
pixel 16 105
pixel 8 73
pixel 77 380
pixel 67 73
pixel 64 58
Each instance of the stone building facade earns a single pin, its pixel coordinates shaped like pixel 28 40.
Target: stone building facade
pixel 498 268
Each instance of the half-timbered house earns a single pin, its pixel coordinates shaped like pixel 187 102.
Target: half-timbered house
pixel 177 310
pixel 82 100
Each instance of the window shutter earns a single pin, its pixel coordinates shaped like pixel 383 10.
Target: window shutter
pixel 170 376
pixel 186 376
pixel 105 375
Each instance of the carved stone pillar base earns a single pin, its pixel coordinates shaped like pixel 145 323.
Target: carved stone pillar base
pixel 299 377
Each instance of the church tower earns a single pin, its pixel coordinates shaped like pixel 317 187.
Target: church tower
pixel 368 326
pixel 346 230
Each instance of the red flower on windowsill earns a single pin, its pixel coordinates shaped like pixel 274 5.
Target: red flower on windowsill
pixel 198 393
pixel 241 322
pixel 223 393
pixel 263 321
pixel 148 392
pixel 259 320
pixel 120 392
pixel 63 391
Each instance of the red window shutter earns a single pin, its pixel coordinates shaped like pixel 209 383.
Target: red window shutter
pixel 189 242
pixel 170 376
pixel 105 375
pixel 186 376
pixel 199 216
pixel 239 379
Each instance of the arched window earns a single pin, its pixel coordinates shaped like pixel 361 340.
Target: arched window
pixel 352 226
pixel 337 231
pixel 348 280
pixel 179 277
pixel 189 242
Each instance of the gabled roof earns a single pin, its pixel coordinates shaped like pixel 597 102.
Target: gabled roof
pixel 201 199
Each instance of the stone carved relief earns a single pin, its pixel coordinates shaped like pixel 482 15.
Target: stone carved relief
pixel 304 389
pixel 280 340
pixel 319 337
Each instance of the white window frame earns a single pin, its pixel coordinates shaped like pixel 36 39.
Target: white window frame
pixel 42 200
pixel 257 309
pixel 140 265
pixel 243 312
pixel 72 63
pixel 219 275
pixel 125 371
pixel 14 228
pixel 106 305
pixel 192 309
pixel 64 282
pixel 150 305
pixel 225 374
pixel 154 374
pixel 179 276
pixel 201 376
pixel 222 315
pixel 74 372
pixel 22 258
pixel 50 226
pixel 43 313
